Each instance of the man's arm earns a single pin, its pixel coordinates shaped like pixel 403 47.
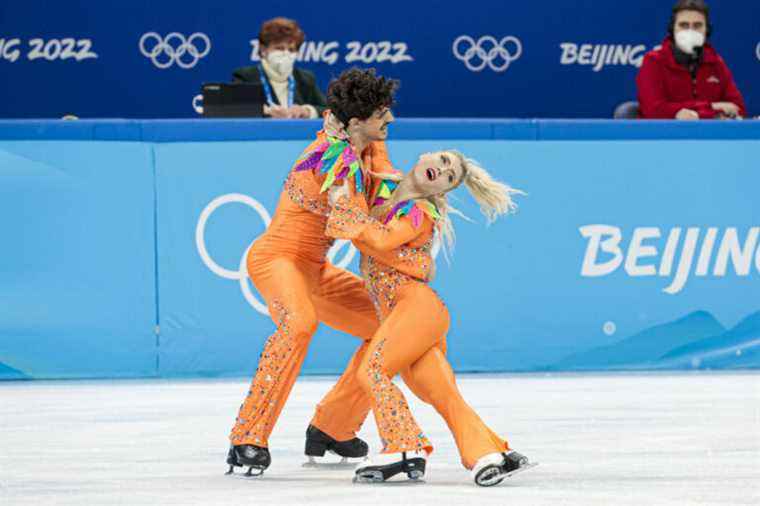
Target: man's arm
pixel 350 221
pixel 730 92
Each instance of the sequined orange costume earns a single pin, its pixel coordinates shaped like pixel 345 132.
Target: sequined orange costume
pixel 288 266
pixel 411 340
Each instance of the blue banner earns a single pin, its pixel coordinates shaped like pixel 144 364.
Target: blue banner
pixel 507 59
pixel 77 280
pixel 126 258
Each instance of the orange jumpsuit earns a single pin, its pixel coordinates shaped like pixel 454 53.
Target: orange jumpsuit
pixel 288 266
pixel 411 340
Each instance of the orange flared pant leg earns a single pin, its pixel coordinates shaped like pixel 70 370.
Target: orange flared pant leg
pixel 342 302
pixel 417 321
pixel 432 380
pixel 287 292
pixel 297 302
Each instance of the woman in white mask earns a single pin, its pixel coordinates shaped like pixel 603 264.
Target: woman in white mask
pixel 290 92
pixel 686 78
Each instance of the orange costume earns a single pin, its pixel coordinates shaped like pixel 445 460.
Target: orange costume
pixel 288 266
pixel 411 340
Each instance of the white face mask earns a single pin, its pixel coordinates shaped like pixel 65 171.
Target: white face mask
pixel 282 61
pixel 687 40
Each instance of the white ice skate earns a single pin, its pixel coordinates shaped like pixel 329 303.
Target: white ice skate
pixel 493 468
pixel 384 466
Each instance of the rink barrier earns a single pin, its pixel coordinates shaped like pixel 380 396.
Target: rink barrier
pixel 124 241
pixel 171 130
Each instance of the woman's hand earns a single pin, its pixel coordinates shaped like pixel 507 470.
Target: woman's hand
pixel 337 192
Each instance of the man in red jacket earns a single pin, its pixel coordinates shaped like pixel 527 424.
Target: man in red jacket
pixel 687 78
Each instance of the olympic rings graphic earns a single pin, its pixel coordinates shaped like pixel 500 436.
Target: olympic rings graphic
pixel 487 51
pixel 174 47
pixel 241 274
pixel 757 51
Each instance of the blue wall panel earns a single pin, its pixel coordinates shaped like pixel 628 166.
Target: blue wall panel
pixel 77 279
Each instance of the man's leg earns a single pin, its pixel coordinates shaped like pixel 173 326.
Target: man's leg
pixel 343 303
pixel 288 295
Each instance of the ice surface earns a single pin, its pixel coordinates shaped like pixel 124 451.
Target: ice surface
pixel 627 439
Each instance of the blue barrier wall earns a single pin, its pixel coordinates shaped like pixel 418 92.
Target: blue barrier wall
pixel 142 59
pixel 640 252
pixel 77 280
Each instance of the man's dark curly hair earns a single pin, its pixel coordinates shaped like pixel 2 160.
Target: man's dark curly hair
pixel 357 93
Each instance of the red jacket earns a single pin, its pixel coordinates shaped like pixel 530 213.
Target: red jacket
pixel 666 87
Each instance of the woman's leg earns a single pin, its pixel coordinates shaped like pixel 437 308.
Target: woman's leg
pixel 432 380
pixel 417 322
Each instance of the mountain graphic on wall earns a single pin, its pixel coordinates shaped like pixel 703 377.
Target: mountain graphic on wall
pixel 645 347
pixel 9 373
pixel 736 348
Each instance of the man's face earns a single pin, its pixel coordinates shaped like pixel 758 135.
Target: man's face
pixel 375 128
pixel 691 20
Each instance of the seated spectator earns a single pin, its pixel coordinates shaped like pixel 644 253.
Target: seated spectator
pixel 290 92
pixel 687 78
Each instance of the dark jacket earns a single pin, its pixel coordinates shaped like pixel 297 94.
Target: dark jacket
pixel 665 86
pixel 307 92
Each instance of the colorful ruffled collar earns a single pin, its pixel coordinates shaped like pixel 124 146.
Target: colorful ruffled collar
pixel 384 190
pixel 336 158
pixel 415 209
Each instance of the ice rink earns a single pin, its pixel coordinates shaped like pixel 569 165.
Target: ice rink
pixel 600 439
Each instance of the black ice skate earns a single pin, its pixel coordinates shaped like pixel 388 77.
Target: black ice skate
pixel 493 468
pixel 371 472
pixel 318 443
pixel 250 456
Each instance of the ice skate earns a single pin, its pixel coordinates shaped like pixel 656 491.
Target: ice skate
pixel 493 468
pixel 320 449
pixel 250 456
pixel 384 466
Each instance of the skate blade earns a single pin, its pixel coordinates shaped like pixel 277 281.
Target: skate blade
pixel 376 477
pixel 378 480
pixel 246 475
pixel 520 469
pixel 497 478
pixel 369 477
pixel 343 464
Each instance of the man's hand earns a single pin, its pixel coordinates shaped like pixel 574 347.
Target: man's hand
pixel 687 114
pixel 727 109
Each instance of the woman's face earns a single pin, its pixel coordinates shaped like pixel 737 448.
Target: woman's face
pixel 436 173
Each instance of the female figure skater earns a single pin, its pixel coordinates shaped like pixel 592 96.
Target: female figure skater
pixel 395 239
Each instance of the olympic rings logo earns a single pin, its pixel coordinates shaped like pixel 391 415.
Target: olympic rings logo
pixel 172 49
pixel 487 51
pixel 241 273
pixel 757 51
